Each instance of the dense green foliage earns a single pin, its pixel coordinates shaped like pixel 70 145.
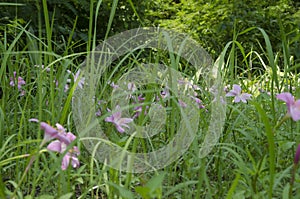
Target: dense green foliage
pixel 210 22
pixel 43 42
pixel 213 23
pixel 71 18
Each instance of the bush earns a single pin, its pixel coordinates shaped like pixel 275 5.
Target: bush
pixel 215 23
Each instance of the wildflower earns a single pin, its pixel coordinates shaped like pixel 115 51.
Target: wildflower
pixel 131 87
pixel 66 88
pixel 47 69
pixel 114 86
pixel 71 155
pixel 60 147
pixel 214 90
pixel 165 93
pixel 292 105
pixel 138 110
pixel 76 77
pixel 56 83
pixel 198 102
pixel 182 103
pixel 81 80
pixel 118 121
pixel 141 98
pixel 98 113
pixel 52 133
pixel 238 96
pixel 63 140
pixel 21 82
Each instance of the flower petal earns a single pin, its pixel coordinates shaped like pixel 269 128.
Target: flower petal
pixel 120 129
pixel 294 111
pixel 109 119
pixel 125 120
pixel 245 96
pixel 65 161
pixel 71 136
pixel 55 146
pixel 75 162
pixel 50 132
pixel 60 128
pixel 237 99
pixel 236 88
pixel 286 97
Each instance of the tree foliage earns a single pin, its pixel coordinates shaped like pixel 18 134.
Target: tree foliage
pixel 213 23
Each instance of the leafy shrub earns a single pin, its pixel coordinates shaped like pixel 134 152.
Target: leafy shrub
pixel 213 23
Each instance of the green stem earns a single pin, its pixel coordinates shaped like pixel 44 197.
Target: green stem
pixel 292 180
pixel 32 159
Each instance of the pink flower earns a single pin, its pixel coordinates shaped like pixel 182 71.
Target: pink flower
pixel 52 133
pixel 238 96
pixel 76 78
pixel 118 121
pixel 114 86
pixel 182 103
pixel 63 140
pixel 131 87
pixel 98 113
pixel 81 80
pixel 165 93
pixel 292 105
pixel 138 110
pixel 71 155
pixel 21 82
pixel 198 102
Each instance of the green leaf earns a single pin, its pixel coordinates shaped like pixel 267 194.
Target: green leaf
pixel 271 144
pixel 45 197
pixel 152 189
pixel 285 192
pixel 12 4
pixel 123 192
pixel 143 191
pixel 233 186
pixel 155 182
pixel 66 196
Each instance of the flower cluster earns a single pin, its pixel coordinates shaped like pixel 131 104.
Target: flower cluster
pixel 20 83
pixel 60 142
pixel 138 100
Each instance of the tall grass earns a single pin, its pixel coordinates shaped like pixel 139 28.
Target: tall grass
pixel 253 157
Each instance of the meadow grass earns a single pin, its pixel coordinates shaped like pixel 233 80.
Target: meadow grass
pixel 254 157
